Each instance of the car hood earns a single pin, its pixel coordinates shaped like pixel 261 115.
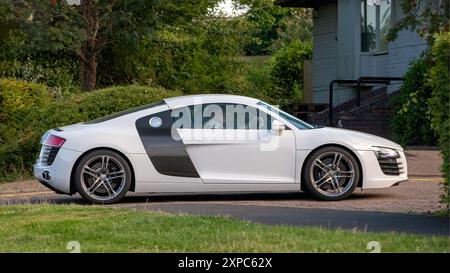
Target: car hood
pixel 358 139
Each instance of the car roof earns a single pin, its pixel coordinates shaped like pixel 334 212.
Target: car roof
pixel 181 101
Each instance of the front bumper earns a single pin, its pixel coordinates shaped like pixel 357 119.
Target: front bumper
pixel 57 175
pixel 374 177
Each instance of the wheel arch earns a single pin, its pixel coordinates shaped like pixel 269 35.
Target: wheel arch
pixel 358 161
pixel 72 173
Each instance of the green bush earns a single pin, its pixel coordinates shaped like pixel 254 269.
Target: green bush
pixel 287 72
pixel 411 124
pixel 21 133
pixel 439 82
pixel 18 96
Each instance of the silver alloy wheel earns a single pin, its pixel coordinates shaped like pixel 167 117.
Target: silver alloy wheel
pixel 332 174
pixel 103 177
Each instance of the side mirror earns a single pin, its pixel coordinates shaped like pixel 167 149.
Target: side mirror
pixel 278 126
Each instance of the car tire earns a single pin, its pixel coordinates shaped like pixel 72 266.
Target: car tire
pixel 331 174
pixel 102 177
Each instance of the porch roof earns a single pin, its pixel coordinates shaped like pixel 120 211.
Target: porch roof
pixel 302 3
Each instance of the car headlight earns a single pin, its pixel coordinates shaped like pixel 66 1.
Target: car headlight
pixel 382 152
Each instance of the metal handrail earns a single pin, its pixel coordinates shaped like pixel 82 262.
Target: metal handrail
pixel 357 83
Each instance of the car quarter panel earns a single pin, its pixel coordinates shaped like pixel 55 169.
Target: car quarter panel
pixel 119 133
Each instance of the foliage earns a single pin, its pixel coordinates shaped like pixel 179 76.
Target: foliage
pixel 17 96
pixel 17 101
pixel 40 50
pixel 180 45
pixel 31 111
pixel 287 72
pixel 86 30
pixel 425 17
pixel 254 79
pixel 439 82
pixel 431 20
pixel 411 124
pixel 197 58
pixel 58 74
pixel 47 27
pixel 297 26
pixel 272 27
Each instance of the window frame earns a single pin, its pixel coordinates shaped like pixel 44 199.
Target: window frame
pixel 284 116
pixel 363 15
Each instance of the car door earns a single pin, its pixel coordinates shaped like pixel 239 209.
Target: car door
pixel 235 143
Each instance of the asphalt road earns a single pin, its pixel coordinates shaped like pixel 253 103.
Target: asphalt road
pixel 328 218
pixel 228 205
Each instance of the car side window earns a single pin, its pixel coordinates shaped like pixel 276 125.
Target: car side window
pixel 241 116
pixel 223 116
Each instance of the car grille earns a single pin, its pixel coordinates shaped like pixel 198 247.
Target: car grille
pixel 391 166
pixel 48 155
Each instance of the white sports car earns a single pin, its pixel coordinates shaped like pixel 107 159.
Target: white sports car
pixel 213 143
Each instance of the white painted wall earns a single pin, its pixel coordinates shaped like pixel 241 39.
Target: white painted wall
pixel 336 37
pixel 324 51
pixel 407 47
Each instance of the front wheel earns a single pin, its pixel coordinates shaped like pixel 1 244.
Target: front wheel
pixel 102 177
pixel 331 174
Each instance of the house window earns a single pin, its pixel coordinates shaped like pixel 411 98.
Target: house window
pixel 375 23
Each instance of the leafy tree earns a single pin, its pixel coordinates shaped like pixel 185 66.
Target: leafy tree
pixel 196 56
pixel 88 29
pixel 297 26
pixel 425 17
pixel 272 27
pixel 287 72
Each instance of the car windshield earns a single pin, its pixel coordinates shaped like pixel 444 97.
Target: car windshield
pixel 300 124
pixel 126 112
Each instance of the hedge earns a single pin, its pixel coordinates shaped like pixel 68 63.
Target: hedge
pixel 17 96
pixel 411 125
pixel 35 111
pixel 439 81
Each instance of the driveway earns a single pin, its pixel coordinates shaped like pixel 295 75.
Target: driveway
pixel 419 195
pixel 402 208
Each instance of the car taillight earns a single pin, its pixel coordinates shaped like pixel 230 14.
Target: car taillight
pixel 54 141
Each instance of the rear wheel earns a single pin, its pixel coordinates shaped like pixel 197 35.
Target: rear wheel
pixel 102 176
pixel 331 173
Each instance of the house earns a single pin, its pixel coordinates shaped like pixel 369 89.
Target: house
pixel 349 43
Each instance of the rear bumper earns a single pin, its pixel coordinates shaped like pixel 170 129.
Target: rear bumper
pixel 48 185
pixel 57 176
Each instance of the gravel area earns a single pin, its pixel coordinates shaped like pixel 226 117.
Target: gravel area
pixel 422 163
pixel 408 197
pixel 419 195
pixel 21 187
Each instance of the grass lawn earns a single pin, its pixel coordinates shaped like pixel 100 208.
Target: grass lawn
pixel 48 228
